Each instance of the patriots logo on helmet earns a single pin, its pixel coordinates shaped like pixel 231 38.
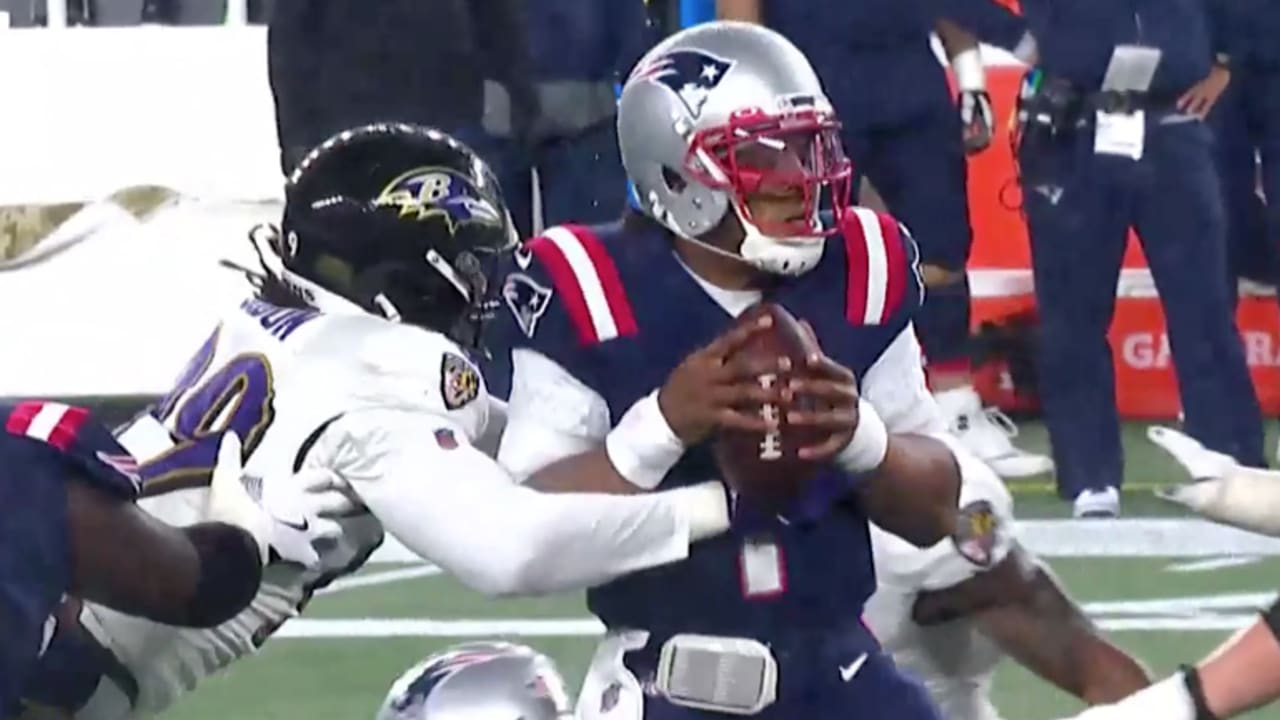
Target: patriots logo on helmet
pixel 692 74
pixel 431 192
pixel 430 674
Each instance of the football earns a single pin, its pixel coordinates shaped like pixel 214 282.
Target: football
pixel 764 467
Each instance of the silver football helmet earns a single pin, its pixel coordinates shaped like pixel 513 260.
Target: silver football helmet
pixel 724 110
pixel 479 681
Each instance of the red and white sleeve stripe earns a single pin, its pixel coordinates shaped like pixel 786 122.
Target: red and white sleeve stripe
pixel 587 281
pixel 877 267
pixel 49 422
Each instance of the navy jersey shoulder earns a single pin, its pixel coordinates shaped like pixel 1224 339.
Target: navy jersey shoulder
pixel 77 441
pixel 563 298
pixel 880 267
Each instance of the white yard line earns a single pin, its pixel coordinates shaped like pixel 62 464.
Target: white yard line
pixel 384 577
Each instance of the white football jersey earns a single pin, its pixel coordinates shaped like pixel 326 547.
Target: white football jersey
pixel 954 660
pixel 279 378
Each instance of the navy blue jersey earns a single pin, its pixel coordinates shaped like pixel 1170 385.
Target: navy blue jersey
pixel 616 309
pixel 44 447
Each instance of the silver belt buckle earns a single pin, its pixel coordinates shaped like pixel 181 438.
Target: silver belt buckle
pixel 738 676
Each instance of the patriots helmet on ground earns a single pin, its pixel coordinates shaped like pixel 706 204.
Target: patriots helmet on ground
pixel 479 681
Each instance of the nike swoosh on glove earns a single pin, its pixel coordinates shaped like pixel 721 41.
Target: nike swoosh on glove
pixel 279 527
pixel 326 498
pixel 1220 488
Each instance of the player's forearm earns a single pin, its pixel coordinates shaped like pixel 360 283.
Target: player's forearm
pixel 199 576
pixel 1242 674
pixel 1047 633
pixel 500 538
pixel 1245 672
pixel 744 10
pixel 915 491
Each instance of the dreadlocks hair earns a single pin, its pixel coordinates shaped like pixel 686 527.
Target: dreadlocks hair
pixel 267 287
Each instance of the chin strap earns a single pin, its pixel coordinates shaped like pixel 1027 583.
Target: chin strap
pixel 794 256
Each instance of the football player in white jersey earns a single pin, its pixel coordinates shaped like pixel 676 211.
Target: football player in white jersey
pixel 951 612
pixel 354 358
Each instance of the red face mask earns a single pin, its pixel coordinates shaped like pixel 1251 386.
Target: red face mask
pixel 797 155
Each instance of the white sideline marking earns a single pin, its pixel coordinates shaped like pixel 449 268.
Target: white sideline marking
pixel 1208 564
pixel 380 578
pixel 1171 538
pixel 415 627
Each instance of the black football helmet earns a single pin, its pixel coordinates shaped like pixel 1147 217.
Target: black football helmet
pixel 404 221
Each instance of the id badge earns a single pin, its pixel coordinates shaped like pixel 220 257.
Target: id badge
pixel 1120 134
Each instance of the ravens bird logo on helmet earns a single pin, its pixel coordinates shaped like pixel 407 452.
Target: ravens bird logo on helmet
pixel 429 192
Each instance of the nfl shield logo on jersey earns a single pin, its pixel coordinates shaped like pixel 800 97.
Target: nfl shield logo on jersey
pixel 459 381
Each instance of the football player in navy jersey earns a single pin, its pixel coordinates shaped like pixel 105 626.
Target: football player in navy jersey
pixel 624 370
pixel 68 525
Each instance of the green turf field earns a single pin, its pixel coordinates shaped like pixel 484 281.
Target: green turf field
pixel 338 661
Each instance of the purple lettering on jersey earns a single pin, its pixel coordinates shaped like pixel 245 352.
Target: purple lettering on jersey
pixel 237 398
pixel 281 322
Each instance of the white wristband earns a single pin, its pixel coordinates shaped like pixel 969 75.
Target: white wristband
pixel 643 448
pixel 971 76
pixel 870 442
pixel 704 506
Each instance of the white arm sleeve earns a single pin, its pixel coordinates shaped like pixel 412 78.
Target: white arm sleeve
pixel 551 415
pixel 895 385
pixel 454 506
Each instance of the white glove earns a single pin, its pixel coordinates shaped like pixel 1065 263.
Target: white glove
pixel 1221 490
pixel 271 512
pixel 1168 699
pixel 326 498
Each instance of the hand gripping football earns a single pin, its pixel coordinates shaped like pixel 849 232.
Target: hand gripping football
pixel 765 467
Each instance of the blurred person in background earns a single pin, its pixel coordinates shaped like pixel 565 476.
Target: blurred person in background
pixel 580 51
pixel 1246 123
pixel 199 12
pixel 903 131
pixel 1110 136
pixel 35 13
pixel 123 13
pixel 336 64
